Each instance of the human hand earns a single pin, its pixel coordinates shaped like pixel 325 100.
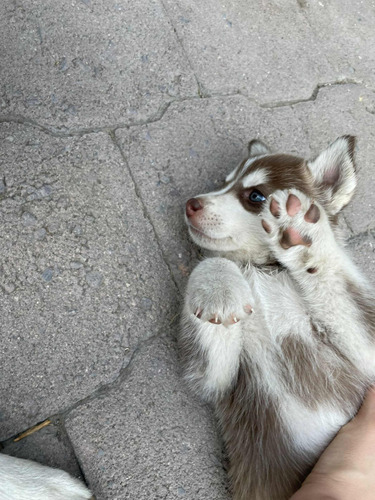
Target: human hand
pixel 346 469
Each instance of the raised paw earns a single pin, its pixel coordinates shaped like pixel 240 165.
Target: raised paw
pixel 218 293
pixel 292 219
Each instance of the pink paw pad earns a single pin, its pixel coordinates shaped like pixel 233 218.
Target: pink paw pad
pixel 291 238
pixel 293 205
pixel 313 214
pixel 275 208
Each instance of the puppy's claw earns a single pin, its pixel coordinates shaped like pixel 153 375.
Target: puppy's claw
pixel 215 320
pixel 198 313
pixel 248 309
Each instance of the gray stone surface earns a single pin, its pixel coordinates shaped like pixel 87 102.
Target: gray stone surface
pixel 267 51
pixel 82 278
pixel 148 438
pixel 48 446
pixel 347 30
pixel 147 103
pixel 86 63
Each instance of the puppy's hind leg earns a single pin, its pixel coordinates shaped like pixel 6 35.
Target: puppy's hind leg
pixel 218 302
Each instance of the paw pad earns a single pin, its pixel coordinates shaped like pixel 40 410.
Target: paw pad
pixel 291 237
pixel 313 214
pixel 293 205
pixel 275 208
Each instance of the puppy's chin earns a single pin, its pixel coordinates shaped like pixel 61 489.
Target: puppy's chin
pixel 225 244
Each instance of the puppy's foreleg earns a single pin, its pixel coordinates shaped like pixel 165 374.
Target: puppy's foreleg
pixel 302 239
pixel 218 301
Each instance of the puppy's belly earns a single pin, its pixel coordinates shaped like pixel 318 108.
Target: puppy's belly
pixel 310 430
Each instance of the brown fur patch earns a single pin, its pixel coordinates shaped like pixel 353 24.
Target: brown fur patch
pixel 319 372
pixel 283 172
pixel 262 464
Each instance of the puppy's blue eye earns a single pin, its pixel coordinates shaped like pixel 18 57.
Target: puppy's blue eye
pixel 256 196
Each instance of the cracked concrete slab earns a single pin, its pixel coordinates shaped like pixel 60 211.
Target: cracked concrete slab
pixel 148 438
pixel 258 50
pixel 82 279
pixel 346 29
pixel 78 63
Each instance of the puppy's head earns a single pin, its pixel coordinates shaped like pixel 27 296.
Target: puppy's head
pixel 227 221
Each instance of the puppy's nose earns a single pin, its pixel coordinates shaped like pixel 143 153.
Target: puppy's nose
pixel 192 206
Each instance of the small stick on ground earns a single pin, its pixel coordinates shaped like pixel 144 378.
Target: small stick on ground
pixel 32 430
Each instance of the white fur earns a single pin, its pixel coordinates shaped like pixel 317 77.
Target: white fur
pixel 310 428
pixel 254 178
pixel 25 480
pixel 220 344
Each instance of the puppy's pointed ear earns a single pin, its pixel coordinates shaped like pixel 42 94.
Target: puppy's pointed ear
pixel 334 173
pixel 257 148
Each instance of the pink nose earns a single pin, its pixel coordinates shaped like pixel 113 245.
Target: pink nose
pixel 193 206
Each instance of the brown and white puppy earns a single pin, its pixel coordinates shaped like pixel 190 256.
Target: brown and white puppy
pixel 278 330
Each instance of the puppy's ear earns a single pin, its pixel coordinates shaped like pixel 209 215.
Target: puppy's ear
pixel 257 148
pixel 334 173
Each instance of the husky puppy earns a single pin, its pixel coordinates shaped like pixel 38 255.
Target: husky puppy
pixel 278 328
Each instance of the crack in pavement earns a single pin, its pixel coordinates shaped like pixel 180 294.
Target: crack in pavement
pixel 146 214
pixel 113 384
pixel 101 391
pixel 315 93
pixel 201 89
pixel 163 108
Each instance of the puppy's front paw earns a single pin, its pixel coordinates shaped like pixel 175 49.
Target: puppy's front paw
pixel 218 293
pixel 299 230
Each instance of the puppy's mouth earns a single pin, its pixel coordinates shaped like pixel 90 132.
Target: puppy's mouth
pixel 200 234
